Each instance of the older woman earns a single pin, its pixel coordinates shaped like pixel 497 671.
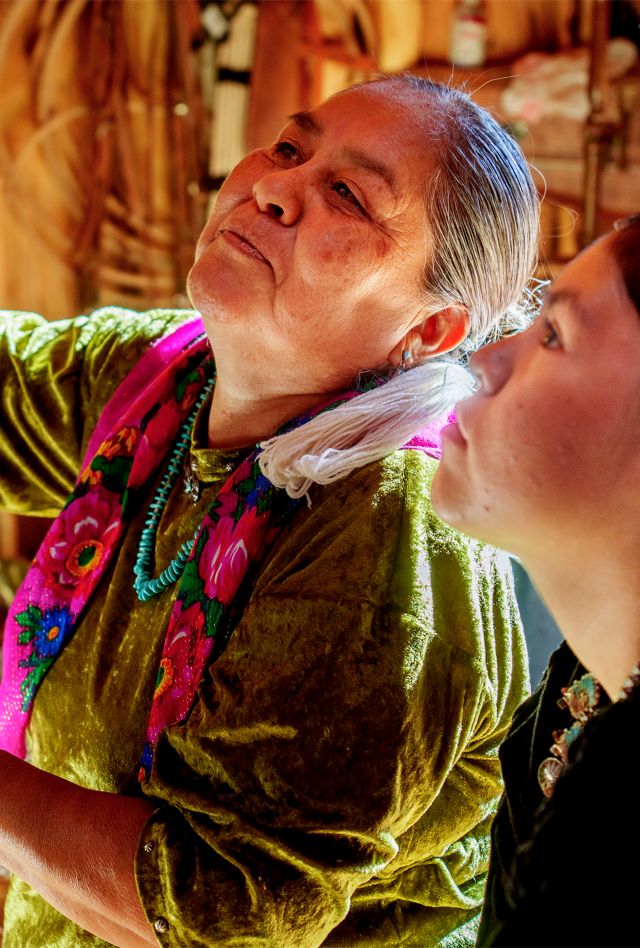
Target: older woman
pixel 545 460
pixel 256 715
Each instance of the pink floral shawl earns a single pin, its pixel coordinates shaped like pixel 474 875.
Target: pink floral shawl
pixel 136 430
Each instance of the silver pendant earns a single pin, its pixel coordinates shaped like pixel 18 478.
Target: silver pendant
pixel 190 480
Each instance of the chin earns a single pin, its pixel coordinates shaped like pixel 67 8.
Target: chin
pixel 452 506
pixel 205 288
pixel 194 283
pixel 445 497
pixel 189 288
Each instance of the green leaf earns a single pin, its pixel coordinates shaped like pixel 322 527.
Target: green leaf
pixel 115 472
pixel 214 611
pixel 32 682
pixel 191 584
pixel 30 618
pixel 189 379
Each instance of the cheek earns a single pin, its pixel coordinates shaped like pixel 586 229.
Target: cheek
pixel 199 281
pixel 547 461
pixel 492 486
pixel 335 242
pixel 206 235
pixel 542 466
pixel 216 290
pixel 341 258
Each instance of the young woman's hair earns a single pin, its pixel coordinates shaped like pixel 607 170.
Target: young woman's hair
pixel 625 246
pixel 482 210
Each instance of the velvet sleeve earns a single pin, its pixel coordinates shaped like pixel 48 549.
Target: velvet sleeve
pixel 55 379
pixel 338 772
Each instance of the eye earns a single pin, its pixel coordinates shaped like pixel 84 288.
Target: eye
pixel 287 150
pixel 550 339
pixel 345 192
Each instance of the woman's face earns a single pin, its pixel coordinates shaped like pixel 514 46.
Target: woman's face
pixel 315 249
pixel 548 450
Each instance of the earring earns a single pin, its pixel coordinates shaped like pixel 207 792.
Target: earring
pixel 404 361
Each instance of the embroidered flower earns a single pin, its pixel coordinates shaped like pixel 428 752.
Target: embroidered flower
pixel 162 424
pixel 182 637
pixel 47 630
pixel 111 467
pixel 190 378
pixel 78 541
pixel 261 491
pixel 177 666
pixel 227 552
pixel 231 501
pixel 91 477
pixel 52 631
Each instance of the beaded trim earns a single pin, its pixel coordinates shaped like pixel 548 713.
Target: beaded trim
pixel 632 681
pixel 581 698
pixel 145 585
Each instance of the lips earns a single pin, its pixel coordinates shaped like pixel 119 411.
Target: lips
pixel 242 242
pixel 453 433
pixel 456 430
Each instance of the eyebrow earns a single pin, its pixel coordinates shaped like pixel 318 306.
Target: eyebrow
pixel 554 297
pixel 309 123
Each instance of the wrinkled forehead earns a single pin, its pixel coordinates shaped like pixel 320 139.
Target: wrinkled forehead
pixel 393 123
pixel 408 109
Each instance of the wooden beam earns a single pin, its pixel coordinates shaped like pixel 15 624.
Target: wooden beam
pixel 277 85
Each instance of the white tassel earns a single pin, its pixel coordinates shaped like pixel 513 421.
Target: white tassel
pixel 364 429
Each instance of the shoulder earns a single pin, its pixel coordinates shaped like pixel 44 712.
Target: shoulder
pixel 118 327
pixel 374 537
pixel 84 342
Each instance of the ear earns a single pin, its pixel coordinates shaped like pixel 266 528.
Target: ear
pixel 437 333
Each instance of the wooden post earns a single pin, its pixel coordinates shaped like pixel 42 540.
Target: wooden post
pixel 277 84
pixel 598 131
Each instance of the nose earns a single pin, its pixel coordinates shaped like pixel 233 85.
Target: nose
pixel 279 195
pixel 492 365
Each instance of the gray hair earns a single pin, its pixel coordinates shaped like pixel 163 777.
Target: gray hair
pixel 482 213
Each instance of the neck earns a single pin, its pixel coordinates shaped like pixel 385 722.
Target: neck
pixel 594 600
pixel 257 390
pixel 241 417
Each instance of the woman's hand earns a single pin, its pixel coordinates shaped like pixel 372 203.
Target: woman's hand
pixel 76 847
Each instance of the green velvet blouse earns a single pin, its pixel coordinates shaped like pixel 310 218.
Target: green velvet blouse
pixel 336 778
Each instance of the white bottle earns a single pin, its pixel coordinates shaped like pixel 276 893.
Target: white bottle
pixel 468 33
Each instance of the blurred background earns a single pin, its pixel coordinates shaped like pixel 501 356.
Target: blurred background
pixel 119 119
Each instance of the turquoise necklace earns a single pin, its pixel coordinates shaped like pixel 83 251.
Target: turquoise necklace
pixel 145 585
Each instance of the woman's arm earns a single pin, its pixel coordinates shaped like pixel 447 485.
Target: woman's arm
pixel 75 847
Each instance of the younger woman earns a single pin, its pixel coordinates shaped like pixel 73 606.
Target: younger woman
pixel 544 460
